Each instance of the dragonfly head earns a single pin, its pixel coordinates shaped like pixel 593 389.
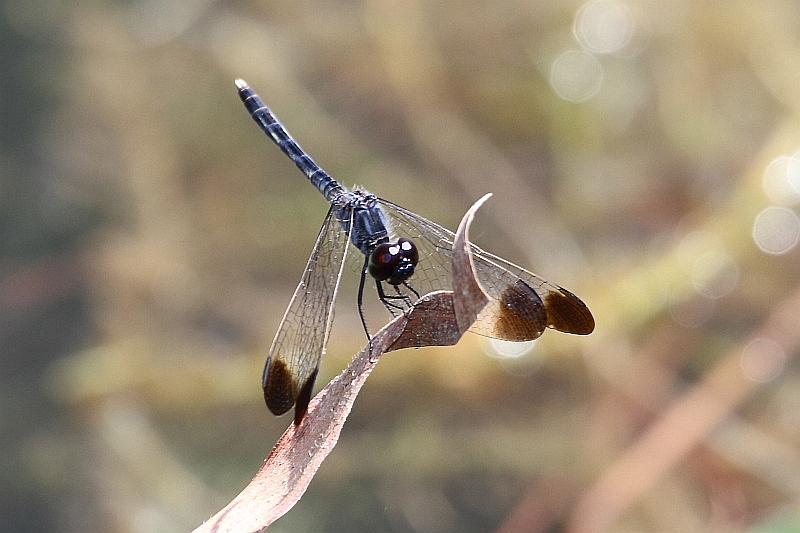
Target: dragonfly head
pixel 393 263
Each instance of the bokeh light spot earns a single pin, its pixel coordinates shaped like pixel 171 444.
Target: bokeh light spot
pixel 500 349
pixel 695 244
pixel 763 360
pixel 603 26
pixel 692 311
pixel 777 182
pixel 793 172
pixel 576 76
pixel 776 230
pixel 715 274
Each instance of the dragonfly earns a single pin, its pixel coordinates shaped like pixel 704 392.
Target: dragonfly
pixel 404 254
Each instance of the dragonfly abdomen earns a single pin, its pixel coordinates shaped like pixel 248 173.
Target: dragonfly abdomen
pixel 325 184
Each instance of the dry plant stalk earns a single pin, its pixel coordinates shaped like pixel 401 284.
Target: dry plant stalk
pixel 439 318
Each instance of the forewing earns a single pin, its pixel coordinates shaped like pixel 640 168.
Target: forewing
pixel 521 303
pixel 295 354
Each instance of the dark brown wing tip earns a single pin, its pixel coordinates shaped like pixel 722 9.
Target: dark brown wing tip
pixel 279 387
pixel 522 316
pixel 566 312
pixel 304 397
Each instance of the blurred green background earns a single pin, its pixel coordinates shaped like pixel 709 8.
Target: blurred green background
pixel 641 154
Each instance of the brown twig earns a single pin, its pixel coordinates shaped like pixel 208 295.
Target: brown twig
pixel 437 319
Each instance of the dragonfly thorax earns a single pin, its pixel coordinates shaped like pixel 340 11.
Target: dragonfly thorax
pixel 361 210
pixel 390 262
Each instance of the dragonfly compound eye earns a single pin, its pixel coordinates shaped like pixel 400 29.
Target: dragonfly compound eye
pixel 408 249
pixel 393 263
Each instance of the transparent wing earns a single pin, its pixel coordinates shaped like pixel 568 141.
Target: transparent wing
pixel 521 303
pixel 294 357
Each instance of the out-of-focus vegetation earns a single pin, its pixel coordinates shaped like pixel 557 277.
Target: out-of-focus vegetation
pixel 642 154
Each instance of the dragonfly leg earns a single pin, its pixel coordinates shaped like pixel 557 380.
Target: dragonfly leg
pixel 386 300
pixel 400 296
pixel 361 301
pixel 406 299
pixel 409 287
